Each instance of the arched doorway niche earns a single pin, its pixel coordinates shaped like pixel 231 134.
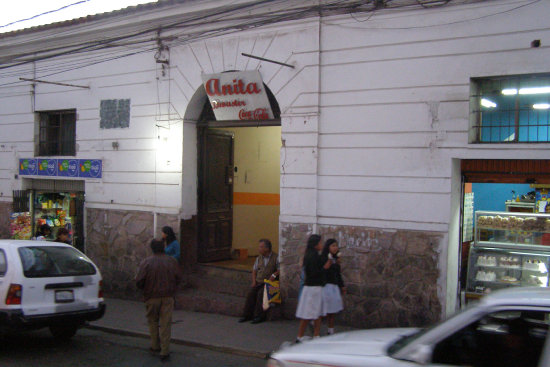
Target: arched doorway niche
pixel 199 117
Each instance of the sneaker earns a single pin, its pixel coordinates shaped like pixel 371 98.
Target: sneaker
pixel 287 344
pixel 164 357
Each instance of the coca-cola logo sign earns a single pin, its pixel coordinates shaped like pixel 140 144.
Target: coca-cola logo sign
pixel 257 114
pixel 238 96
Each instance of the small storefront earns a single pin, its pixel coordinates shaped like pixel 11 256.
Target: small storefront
pixel 505 226
pixel 55 203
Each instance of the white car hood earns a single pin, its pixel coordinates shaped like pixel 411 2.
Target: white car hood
pixel 355 343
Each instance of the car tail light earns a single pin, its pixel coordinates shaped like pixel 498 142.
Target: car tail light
pixel 100 292
pixel 14 294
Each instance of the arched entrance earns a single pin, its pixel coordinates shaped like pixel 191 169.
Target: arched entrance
pixel 237 175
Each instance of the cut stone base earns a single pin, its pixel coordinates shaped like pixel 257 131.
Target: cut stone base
pixel 391 276
pixel 5 212
pixel 117 241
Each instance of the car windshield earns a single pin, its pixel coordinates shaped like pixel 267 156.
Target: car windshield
pixel 404 340
pixel 53 261
pixel 409 338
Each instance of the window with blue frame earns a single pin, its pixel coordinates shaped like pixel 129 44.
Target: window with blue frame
pixel 511 109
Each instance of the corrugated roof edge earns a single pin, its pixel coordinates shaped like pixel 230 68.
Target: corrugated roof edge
pixel 95 17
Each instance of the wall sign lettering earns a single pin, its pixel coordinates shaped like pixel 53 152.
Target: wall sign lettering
pixel 238 96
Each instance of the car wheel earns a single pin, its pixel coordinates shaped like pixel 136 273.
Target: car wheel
pixel 63 332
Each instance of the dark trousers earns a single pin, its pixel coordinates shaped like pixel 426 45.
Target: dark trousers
pixel 254 302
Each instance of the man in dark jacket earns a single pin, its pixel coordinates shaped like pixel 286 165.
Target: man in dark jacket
pixel 158 276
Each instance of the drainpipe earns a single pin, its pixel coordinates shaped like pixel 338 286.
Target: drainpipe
pixel 315 224
pixel 154 224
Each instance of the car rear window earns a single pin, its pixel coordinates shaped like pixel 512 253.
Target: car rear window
pixel 3 263
pixel 53 261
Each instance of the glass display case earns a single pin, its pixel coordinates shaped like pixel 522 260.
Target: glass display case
pixel 494 268
pixel 510 250
pixel 505 229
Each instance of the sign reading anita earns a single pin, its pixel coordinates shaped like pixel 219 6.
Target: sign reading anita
pixel 238 96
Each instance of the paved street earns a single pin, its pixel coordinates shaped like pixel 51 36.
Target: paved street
pixel 97 349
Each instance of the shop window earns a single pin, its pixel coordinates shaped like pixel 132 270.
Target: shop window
pixel 514 338
pixel 511 109
pixel 57 133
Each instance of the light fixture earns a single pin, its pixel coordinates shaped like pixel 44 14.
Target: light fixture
pixel 541 106
pixel 487 103
pixel 510 92
pixel 535 90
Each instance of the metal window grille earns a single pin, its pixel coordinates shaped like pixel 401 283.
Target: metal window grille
pixel 21 202
pixel 57 133
pixel 510 109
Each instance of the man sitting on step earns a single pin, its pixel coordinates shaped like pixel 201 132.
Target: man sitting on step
pixel 265 267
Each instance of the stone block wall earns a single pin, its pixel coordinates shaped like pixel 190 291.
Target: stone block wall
pixel 5 212
pixel 117 241
pixel 391 276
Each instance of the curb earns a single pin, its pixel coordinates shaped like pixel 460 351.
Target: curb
pixel 189 343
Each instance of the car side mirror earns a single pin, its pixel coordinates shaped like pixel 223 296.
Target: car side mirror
pixel 422 354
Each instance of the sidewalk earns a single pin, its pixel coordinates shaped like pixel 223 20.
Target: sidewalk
pixel 216 332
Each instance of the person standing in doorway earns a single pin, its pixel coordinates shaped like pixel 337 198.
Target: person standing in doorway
pixel 333 290
pixel 310 304
pixel 159 276
pixel 172 246
pixel 265 267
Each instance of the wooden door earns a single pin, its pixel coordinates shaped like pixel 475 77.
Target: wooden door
pixel 215 194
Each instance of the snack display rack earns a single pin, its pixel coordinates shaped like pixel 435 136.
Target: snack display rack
pixel 53 209
pixel 510 250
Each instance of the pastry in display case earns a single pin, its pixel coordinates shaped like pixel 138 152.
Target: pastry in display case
pixel 495 268
pixel 510 250
pixel 504 229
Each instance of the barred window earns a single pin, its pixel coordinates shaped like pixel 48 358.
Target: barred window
pixel 510 109
pixel 57 133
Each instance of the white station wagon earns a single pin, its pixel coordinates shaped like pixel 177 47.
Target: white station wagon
pixel 47 284
pixel 508 328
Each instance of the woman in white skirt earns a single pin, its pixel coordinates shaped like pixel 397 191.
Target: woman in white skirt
pixel 310 304
pixel 334 288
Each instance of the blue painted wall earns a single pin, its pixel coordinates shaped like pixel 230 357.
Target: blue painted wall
pixel 491 196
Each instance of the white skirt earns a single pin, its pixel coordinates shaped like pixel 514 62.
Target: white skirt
pixel 332 299
pixel 310 304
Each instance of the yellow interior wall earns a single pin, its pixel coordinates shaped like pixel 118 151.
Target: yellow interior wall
pixel 257 158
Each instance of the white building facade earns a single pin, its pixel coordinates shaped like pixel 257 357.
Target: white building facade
pixel 375 120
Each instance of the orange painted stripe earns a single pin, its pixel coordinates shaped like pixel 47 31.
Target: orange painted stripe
pixel 254 198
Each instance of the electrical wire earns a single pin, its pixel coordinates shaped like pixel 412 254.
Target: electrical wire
pixel 45 13
pixel 440 24
pixel 137 39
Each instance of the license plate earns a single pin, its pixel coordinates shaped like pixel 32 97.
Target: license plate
pixel 64 296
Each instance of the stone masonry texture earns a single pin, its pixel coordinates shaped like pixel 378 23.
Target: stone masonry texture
pixel 391 276
pixel 5 212
pixel 117 241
